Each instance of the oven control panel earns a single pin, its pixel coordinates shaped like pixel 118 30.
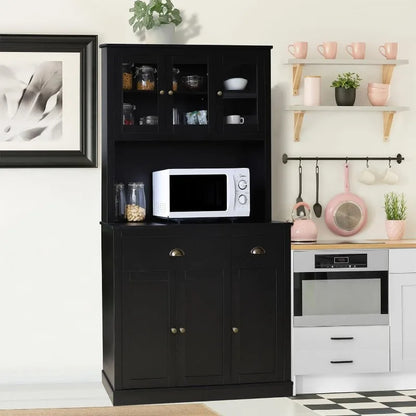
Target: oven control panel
pixel 340 261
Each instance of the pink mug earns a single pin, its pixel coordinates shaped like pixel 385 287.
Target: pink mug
pixel 298 49
pixel 389 50
pixel 328 50
pixel 356 50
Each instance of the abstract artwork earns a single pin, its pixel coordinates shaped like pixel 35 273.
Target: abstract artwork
pixel 48 87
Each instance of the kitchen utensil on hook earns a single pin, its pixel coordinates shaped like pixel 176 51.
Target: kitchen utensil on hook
pixel 317 207
pixel 300 210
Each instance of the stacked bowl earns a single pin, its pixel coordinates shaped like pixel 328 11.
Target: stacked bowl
pixel 378 94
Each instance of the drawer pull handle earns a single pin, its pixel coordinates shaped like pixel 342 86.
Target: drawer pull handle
pixel 176 252
pixel 182 330
pixel 219 93
pixel 255 251
pixel 235 330
pixel 162 92
pixel 342 362
pixel 341 338
pixel 173 330
pixel 170 92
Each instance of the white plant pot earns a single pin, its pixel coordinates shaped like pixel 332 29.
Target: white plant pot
pixel 161 34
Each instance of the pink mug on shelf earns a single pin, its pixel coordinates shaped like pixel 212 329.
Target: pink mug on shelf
pixel 389 50
pixel 328 50
pixel 298 49
pixel 356 50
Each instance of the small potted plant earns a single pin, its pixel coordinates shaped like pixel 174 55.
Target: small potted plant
pixel 345 87
pixel 157 17
pixel 396 209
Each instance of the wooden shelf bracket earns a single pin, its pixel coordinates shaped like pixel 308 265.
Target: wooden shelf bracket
pixel 387 122
pixel 298 119
pixel 296 77
pixel 387 73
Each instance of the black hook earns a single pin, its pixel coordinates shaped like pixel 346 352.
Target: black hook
pixel 366 163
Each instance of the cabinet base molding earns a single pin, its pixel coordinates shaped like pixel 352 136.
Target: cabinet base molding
pixel 196 393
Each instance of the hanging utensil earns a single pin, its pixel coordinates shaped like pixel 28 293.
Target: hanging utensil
pixel 317 207
pixel 301 209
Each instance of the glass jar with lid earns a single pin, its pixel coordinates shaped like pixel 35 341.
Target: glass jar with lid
pixel 120 202
pixel 136 202
pixel 145 78
pixel 128 119
pixel 127 76
pixel 175 77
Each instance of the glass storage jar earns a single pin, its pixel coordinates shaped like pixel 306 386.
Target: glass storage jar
pixel 120 202
pixel 175 73
pixel 128 119
pixel 127 76
pixel 145 78
pixel 136 202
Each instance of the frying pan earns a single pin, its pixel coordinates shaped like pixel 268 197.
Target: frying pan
pixel 346 213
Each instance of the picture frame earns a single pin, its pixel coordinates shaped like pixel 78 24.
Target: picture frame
pixel 48 101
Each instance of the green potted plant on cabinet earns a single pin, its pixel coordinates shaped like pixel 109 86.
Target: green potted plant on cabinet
pixel 395 208
pixel 345 87
pixel 157 17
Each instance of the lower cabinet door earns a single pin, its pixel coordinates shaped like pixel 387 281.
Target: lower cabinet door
pixel 147 340
pixel 258 337
pixel 202 308
pixel 402 305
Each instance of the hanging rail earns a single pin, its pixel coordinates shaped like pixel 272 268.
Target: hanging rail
pixel 399 158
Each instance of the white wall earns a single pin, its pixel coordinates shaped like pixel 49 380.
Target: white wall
pixel 50 290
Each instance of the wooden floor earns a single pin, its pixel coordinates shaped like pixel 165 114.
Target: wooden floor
pixel 93 395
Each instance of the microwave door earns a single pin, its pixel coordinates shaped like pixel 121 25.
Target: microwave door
pixel 198 195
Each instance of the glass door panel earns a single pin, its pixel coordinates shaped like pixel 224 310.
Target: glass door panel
pixel 190 112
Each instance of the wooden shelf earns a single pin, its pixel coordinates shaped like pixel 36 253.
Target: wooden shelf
pixel 387 64
pixel 388 114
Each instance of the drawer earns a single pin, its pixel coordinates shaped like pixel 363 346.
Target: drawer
pixel 340 350
pixel 402 260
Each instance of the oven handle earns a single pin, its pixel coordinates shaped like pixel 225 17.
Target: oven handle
pixel 342 362
pixel 341 338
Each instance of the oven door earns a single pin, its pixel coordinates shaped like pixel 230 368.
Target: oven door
pixel 336 298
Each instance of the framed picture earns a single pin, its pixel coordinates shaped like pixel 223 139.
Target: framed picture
pixel 48 101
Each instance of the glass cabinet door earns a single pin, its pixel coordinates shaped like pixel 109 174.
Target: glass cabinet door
pixel 189 83
pixel 238 95
pixel 141 79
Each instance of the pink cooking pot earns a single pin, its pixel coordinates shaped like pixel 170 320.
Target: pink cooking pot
pixel 303 228
pixel 346 213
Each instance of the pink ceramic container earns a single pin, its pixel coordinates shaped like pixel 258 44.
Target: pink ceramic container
pixel 378 97
pixel 378 85
pixel 395 229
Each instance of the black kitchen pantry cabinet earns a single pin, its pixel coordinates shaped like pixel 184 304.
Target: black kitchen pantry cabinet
pixel 191 311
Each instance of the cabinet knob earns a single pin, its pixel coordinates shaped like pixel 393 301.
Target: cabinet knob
pixel 255 251
pixel 162 92
pixel 219 93
pixel 235 330
pixel 170 92
pixel 182 330
pixel 176 252
pixel 173 330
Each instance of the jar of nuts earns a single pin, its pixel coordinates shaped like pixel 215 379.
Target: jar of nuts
pixel 127 76
pixel 136 202
pixel 145 78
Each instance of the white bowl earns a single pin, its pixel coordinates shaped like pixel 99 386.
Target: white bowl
pixel 235 83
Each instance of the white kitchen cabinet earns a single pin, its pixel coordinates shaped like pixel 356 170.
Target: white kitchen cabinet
pixel 340 350
pixel 402 302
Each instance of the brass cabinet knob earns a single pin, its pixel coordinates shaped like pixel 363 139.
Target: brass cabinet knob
pixel 176 252
pixel 219 93
pixel 173 330
pixel 162 92
pixel 170 92
pixel 182 330
pixel 235 330
pixel 255 251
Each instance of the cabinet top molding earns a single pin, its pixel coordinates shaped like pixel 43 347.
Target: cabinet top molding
pixel 177 46
pixel 347 61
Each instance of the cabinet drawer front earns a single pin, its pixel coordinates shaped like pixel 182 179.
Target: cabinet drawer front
pixel 340 350
pixel 402 260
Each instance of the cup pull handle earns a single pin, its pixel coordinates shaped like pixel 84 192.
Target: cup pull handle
pixel 258 250
pixel 176 252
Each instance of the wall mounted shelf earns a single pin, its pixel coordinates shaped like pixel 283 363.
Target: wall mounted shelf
pixel 388 114
pixel 388 67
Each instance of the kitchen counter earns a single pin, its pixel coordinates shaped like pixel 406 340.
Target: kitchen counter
pixel 353 244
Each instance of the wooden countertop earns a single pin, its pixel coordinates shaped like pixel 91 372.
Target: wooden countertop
pixel 357 244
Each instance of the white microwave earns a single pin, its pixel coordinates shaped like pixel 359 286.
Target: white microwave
pixel 201 193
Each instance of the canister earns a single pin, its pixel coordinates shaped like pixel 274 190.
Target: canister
pixel 312 93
